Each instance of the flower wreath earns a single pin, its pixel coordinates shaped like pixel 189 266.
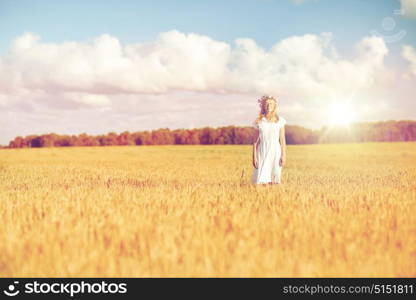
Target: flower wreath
pixel 263 99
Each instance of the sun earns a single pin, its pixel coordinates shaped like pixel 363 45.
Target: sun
pixel 340 113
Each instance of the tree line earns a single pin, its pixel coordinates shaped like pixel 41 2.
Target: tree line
pixel 387 131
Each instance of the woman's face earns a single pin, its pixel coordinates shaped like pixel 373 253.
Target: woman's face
pixel 270 105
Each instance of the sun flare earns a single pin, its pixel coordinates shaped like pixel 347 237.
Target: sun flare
pixel 340 114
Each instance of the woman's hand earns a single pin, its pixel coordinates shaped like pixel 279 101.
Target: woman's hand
pixel 255 164
pixel 282 161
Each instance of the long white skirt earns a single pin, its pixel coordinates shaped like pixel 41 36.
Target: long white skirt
pixel 269 169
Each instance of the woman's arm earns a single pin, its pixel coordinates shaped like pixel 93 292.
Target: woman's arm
pixel 282 139
pixel 257 138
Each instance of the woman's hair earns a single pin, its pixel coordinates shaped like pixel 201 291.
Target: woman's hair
pixel 262 102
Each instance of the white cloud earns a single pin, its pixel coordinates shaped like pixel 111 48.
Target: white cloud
pixel 92 100
pixel 173 61
pixel 408 8
pixel 409 53
pixel 306 65
pixel 178 61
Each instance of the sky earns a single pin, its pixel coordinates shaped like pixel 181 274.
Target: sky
pixel 71 67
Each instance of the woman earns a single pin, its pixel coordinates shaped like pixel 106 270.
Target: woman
pixel 269 150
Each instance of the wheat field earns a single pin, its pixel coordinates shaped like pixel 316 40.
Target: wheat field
pixel 342 210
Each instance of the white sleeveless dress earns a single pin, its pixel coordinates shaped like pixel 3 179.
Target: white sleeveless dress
pixel 268 152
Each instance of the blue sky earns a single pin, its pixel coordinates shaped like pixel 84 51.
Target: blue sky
pixel 227 32
pixel 266 21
